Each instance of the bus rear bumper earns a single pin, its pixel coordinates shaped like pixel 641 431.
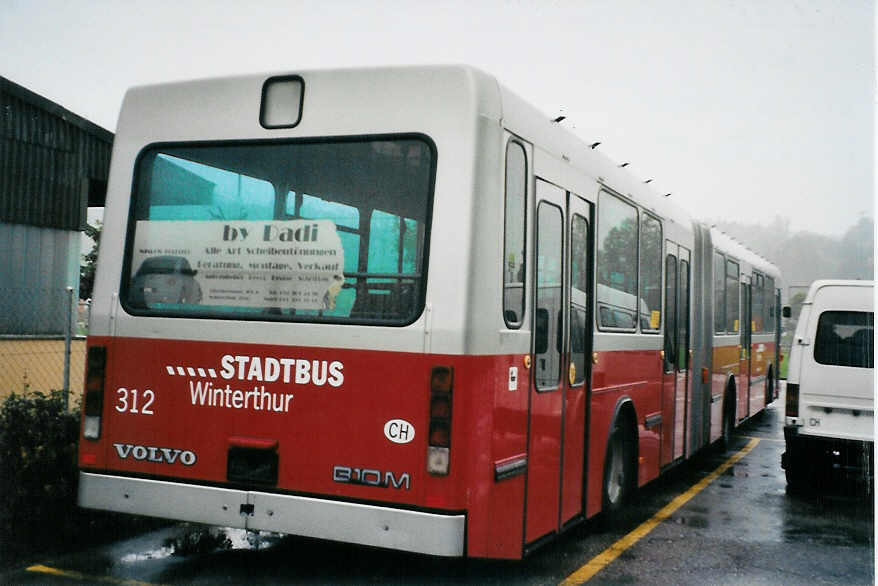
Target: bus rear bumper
pixel 428 533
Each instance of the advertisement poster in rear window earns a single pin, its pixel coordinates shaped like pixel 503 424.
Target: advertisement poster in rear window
pixel 294 263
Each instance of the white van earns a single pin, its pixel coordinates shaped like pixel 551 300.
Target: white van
pixel 830 385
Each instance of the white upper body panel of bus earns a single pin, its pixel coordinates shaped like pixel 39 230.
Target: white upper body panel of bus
pixel 748 259
pixel 446 104
pixel 463 112
pixel 568 161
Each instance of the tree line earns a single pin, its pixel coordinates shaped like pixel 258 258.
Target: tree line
pixel 804 257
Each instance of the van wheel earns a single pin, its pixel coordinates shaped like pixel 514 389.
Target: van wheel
pixel 796 473
pixel 794 477
pixel 618 470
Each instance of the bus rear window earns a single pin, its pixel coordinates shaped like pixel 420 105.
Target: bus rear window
pixel 333 231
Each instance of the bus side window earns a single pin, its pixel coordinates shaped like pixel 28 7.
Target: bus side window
pixel 550 238
pixel 541 332
pixel 758 300
pixel 617 260
pixel 650 301
pixel 719 293
pixel 670 313
pixel 515 220
pixel 733 297
pixel 768 307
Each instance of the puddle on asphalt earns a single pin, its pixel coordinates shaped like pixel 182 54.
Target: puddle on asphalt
pixel 695 522
pixel 243 539
pixel 196 540
pixel 156 554
pixel 736 471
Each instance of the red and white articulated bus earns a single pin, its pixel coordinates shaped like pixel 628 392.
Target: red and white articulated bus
pixel 400 307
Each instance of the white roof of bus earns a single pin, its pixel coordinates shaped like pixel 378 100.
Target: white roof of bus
pixel 396 86
pixel 735 249
pixel 521 117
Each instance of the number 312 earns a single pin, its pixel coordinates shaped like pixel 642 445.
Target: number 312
pixel 124 405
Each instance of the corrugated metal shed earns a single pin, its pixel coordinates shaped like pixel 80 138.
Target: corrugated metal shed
pixel 53 163
pixel 36 267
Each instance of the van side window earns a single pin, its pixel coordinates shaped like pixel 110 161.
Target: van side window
pixel 845 338
pixel 514 239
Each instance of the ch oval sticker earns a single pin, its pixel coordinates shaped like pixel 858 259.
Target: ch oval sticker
pixel 399 431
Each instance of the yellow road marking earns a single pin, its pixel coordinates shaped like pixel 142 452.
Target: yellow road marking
pixel 85 577
pixel 765 439
pixel 600 561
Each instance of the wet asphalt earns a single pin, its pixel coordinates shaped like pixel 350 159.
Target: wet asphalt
pixel 741 528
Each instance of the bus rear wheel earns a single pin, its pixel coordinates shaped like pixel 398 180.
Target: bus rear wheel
pixel 728 420
pixel 618 470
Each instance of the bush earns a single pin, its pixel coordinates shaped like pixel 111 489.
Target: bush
pixel 38 472
pixel 38 482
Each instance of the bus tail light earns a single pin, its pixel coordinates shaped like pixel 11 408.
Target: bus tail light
pixel 792 407
pixel 96 366
pixel 439 441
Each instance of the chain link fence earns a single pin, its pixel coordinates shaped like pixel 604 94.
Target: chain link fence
pixel 42 341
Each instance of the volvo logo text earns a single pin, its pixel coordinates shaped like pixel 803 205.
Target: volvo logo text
pixel 157 455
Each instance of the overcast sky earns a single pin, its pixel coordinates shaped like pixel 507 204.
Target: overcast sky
pixel 742 109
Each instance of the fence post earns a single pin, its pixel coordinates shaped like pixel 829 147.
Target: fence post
pixel 68 335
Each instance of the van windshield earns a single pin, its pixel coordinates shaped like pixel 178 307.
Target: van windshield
pixel 333 231
pixel 845 338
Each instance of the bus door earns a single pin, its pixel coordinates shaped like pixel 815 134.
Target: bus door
pixel 557 403
pixel 578 381
pixel 778 354
pixel 675 380
pixel 746 343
